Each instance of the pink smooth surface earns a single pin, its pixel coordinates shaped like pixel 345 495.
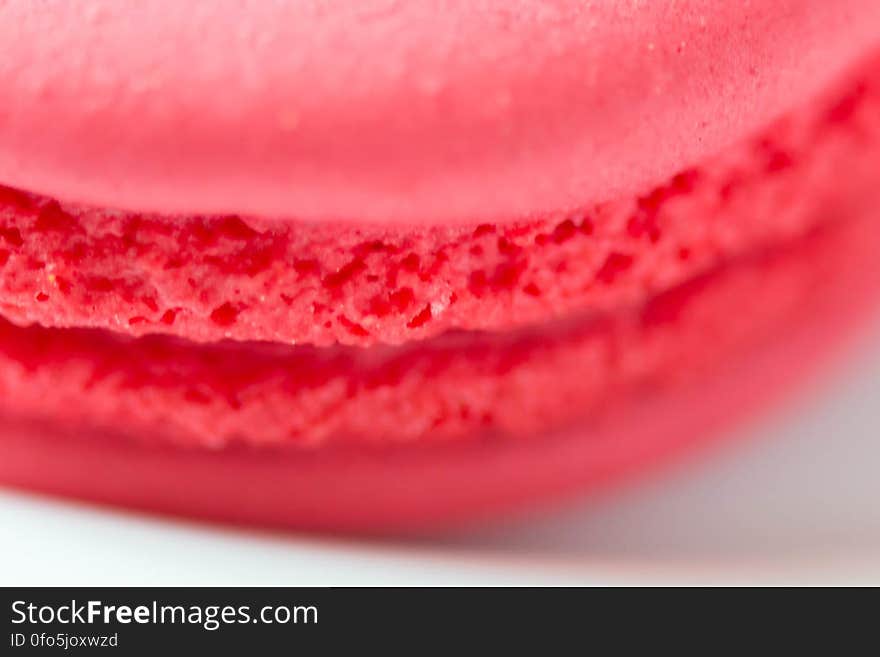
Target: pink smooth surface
pixel 398 112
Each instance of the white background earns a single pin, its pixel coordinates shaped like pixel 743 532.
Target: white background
pixel 797 502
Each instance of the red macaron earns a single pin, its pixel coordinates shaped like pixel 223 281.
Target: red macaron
pixel 310 282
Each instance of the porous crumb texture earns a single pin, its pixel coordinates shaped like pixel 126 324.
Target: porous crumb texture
pixel 240 278
pixel 456 386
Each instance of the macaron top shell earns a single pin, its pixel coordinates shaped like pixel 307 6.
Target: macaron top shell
pixel 396 112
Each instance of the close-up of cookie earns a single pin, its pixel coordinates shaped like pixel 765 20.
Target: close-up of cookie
pixel 374 266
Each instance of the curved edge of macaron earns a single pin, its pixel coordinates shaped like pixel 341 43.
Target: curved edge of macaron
pixel 162 107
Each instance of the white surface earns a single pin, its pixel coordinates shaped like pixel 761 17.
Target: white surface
pixel 799 503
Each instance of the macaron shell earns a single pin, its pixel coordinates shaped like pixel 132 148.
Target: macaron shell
pixel 423 488
pixel 371 488
pixel 339 110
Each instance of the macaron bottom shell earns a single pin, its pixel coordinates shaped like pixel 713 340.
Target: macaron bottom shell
pixel 384 488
